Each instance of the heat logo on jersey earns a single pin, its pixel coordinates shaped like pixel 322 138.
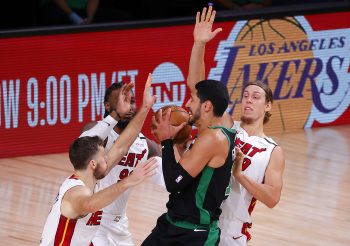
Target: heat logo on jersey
pixel 130 161
pixel 249 151
pixel 95 219
pixel 169 85
pixel 307 70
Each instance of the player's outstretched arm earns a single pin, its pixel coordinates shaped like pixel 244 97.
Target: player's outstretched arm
pixel 79 200
pixel 128 136
pixel 202 34
pixel 269 192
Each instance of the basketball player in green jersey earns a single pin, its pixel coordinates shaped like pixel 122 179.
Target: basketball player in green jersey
pixel 199 182
pixel 263 179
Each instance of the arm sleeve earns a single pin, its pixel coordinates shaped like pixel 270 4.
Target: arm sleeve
pixel 101 129
pixel 175 176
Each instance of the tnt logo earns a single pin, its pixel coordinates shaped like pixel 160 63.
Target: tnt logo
pixel 169 85
pixel 95 219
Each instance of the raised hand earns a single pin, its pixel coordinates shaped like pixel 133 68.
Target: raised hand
pixel 142 171
pixel 148 100
pixel 124 100
pixel 204 22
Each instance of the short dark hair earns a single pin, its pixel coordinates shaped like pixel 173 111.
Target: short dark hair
pixel 268 95
pixel 82 150
pixel 109 90
pixel 215 92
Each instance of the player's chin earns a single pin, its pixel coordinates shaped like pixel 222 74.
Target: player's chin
pixel 99 177
pixel 100 174
pixel 247 119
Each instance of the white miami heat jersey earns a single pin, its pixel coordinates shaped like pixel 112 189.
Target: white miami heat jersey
pixel 59 230
pixel 137 152
pixel 236 210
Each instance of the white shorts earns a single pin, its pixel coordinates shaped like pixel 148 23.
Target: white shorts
pixel 113 230
pixel 229 240
pixel 231 233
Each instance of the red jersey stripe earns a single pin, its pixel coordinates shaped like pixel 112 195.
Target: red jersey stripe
pixel 73 177
pixel 65 231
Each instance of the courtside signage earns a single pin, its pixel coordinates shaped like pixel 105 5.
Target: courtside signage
pixel 50 86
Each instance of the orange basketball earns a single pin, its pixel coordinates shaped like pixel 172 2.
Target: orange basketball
pixel 178 115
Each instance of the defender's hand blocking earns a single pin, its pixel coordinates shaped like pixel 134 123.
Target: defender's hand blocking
pixel 124 100
pixel 148 100
pixel 237 165
pixel 162 128
pixel 142 171
pixel 203 29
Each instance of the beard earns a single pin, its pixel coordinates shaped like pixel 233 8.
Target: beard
pixel 247 120
pixel 123 123
pixel 99 173
pixel 194 117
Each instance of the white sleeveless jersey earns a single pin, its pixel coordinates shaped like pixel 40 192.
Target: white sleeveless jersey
pixel 237 209
pixel 59 230
pixel 137 152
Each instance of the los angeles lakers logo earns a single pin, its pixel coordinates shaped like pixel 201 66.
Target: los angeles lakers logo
pixel 297 63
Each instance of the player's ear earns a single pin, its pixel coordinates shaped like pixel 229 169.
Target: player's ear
pixel 208 106
pixel 93 164
pixel 108 106
pixel 268 107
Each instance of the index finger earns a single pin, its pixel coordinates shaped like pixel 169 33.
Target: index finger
pixel 127 88
pixel 238 151
pixel 204 13
pixel 198 16
pixel 148 83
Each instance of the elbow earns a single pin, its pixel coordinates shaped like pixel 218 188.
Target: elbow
pixel 272 202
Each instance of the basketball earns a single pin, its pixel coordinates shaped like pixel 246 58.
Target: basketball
pixel 178 115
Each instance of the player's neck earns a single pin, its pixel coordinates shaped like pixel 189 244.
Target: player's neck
pixel 254 128
pixel 118 130
pixel 208 122
pixel 88 178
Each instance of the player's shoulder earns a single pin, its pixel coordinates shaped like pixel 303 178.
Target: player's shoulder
pixel 214 135
pixel 88 126
pixel 78 190
pixel 270 141
pixel 72 184
pixel 72 180
pixel 205 138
